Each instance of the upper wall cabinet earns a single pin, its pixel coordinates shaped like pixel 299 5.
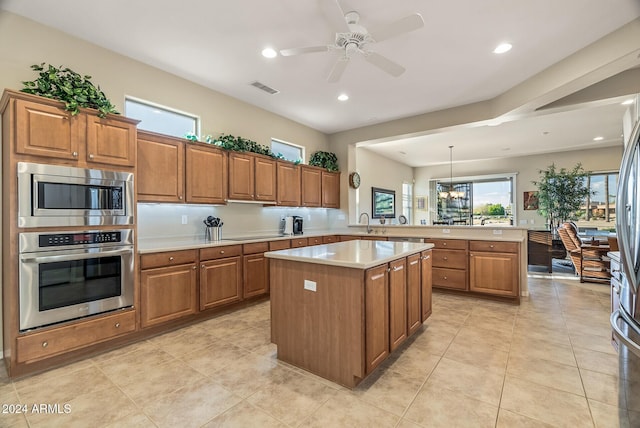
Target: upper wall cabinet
pixel 311 186
pixel 252 177
pixel 44 129
pixel 288 184
pixel 172 170
pixel 330 189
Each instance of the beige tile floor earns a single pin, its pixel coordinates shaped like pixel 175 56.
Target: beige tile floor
pixel 475 363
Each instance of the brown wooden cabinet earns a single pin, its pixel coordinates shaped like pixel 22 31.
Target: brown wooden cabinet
pixel 160 172
pixel 168 284
pixel 330 239
pixel 252 177
pixel 255 268
pixel 397 303
pixel 449 263
pixel 311 186
pixel 220 276
pixel 414 305
pixel 330 189
pixel 377 316
pixel 44 128
pixel 288 179
pixel 494 268
pixel 205 174
pixel 299 242
pixel 426 278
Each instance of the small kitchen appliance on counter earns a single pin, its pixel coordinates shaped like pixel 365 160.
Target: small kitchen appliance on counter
pixel 286 226
pixel 297 225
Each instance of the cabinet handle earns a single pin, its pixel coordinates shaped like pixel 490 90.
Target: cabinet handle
pixel 90 156
pixel 180 197
pixel 45 344
pixel 445 258
pixel 202 266
pixel 413 263
pixel 426 257
pixel 117 325
pixel 396 268
pixel 490 246
pixel 444 277
pixel 221 251
pixel 170 259
pixel 374 277
pixel 194 267
pixel 74 154
pixel 388 269
pixel 444 244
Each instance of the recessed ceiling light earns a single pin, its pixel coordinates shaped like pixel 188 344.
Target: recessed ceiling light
pixel 627 102
pixel 343 97
pixel 502 48
pixel 598 139
pixel 269 53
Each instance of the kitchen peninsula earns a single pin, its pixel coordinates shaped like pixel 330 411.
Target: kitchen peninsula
pixel 338 310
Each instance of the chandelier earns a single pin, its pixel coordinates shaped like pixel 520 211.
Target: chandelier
pixel 451 194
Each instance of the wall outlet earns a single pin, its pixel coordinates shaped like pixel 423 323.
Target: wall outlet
pixel 523 221
pixel 309 285
pixel 446 230
pixel 497 232
pixel 532 221
pixel 184 219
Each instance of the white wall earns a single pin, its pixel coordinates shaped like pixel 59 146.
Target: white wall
pixel 526 167
pixel 377 171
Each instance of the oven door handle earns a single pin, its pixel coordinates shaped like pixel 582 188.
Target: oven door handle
pixel 619 334
pixel 52 257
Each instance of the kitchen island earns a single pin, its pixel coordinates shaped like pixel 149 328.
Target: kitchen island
pixel 338 310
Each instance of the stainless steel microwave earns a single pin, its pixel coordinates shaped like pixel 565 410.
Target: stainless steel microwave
pixel 52 195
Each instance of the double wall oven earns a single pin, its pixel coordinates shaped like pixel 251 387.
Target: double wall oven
pixel 69 268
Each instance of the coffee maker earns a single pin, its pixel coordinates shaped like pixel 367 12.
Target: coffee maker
pixel 297 225
pixel 291 225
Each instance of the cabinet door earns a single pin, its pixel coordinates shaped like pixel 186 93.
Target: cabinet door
pixel 206 175
pixel 167 293
pixel 44 130
pixel 160 171
pixel 288 184
pixel 414 306
pixel 241 176
pixel 265 179
pixel 397 303
pixel 376 297
pixel 256 275
pixel 330 189
pixel 311 186
pixel 111 141
pixel 494 273
pixel 220 282
pixel 426 283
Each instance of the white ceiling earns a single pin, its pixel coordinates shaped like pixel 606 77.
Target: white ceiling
pixel 449 62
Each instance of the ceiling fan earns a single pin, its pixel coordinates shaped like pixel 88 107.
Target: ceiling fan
pixel 352 39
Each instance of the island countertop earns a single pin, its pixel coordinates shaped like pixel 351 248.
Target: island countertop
pixel 358 254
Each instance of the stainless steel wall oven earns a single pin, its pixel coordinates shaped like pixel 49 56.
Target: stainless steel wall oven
pixel 52 195
pixel 69 275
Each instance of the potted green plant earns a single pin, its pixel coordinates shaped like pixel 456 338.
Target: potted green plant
pixel 561 193
pixel 327 160
pixel 74 90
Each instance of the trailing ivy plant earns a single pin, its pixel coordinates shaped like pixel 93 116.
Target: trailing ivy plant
pixel 327 160
pixel 240 144
pixel 561 192
pixel 66 85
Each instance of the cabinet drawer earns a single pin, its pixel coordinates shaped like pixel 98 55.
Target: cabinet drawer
pixel 213 253
pixel 493 246
pixel 316 240
pixel 255 247
pixel 279 245
pixel 450 278
pixel 37 346
pixel 452 259
pixel 299 242
pixel 448 244
pixel 169 258
pixel 329 239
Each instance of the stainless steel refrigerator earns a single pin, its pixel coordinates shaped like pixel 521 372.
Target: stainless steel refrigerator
pixel 625 321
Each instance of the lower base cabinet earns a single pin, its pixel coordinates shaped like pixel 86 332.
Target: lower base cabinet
pixel 397 303
pixel 167 293
pixel 256 275
pixel 414 304
pixel 426 280
pixel 494 268
pixel 376 293
pixel 220 282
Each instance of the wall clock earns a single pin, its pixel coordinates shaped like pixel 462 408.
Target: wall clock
pixel 354 180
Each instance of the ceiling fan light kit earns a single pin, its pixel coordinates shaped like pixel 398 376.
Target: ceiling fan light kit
pixel 352 39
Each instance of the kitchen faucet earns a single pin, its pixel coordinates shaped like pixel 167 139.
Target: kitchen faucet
pixel 368 226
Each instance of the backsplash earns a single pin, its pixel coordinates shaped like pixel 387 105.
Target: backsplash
pixel 165 220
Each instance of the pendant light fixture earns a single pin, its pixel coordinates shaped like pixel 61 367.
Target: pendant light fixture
pixel 451 194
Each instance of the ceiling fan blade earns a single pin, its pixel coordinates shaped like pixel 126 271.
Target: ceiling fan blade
pixel 384 63
pixel 338 69
pixel 401 26
pixel 335 15
pixel 299 51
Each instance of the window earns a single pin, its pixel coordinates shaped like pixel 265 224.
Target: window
pixel 163 120
pixel 599 209
pixel 476 201
pixel 407 198
pixel 290 151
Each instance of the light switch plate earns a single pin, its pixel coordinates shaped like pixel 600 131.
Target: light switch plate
pixel 184 219
pixel 446 230
pixel 309 285
pixel 497 232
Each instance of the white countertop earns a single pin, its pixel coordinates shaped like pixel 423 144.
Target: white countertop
pixel 359 254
